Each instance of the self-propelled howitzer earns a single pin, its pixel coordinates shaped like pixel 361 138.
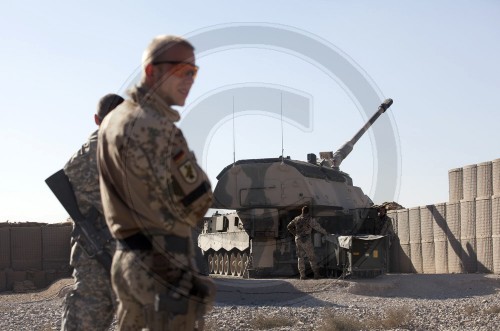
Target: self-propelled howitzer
pixel 267 194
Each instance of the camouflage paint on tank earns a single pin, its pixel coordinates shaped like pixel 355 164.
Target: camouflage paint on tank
pixel 283 183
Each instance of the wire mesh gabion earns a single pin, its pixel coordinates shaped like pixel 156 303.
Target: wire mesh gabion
pixel 483 231
pixel 440 231
pixel 468 235
pixel 484 179
pixel 453 234
pixel 495 170
pixel 470 182
pixel 455 181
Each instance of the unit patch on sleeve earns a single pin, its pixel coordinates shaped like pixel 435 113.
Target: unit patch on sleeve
pixel 188 172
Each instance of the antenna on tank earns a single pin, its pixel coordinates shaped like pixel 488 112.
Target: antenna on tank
pixel 234 139
pixel 282 148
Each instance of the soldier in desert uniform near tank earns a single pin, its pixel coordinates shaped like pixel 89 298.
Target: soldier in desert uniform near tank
pixel 384 227
pixel 383 224
pixel 301 227
pixel 90 305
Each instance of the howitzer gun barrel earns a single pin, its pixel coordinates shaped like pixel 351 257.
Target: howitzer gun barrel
pixel 381 109
pixel 344 151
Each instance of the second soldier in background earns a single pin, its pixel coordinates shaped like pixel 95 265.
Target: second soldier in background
pixel 90 305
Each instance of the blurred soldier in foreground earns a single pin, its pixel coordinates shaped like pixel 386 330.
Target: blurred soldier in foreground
pixel 301 227
pixel 153 194
pixel 90 305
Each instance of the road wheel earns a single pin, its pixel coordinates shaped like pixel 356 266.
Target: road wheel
pixel 239 264
pixel 210 263
pixel 244 260
pixel 216 263
pixel 221 264
pixel 226 264
pixel 234 264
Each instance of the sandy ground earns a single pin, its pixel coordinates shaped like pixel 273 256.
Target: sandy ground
pixel 443 286
pixel 436 302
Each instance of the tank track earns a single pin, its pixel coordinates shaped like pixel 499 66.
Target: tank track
pixel 234 263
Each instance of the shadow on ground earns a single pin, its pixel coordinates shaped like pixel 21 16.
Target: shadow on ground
pixel 265 292
pixel 323 293
pixel 419 286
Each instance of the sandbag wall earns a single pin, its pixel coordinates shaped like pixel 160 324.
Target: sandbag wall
pixel 460 236
pixel 33 255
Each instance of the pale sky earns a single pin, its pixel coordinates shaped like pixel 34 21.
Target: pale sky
pixel 438 61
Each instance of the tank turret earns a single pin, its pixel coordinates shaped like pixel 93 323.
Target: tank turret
pixel 282 182
pixel 267 194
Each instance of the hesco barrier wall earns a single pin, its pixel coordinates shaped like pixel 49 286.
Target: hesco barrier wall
pixel 460 236
pixel 33 255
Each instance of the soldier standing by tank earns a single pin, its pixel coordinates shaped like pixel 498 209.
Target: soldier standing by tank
pixel 383 224
pixel 301 227
pixel 384 227
pixel 90 305
pixel 153 194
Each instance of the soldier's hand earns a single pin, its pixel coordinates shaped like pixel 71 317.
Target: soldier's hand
pixel 327 237
pixel 185 284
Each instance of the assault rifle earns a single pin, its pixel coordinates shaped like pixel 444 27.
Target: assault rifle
pixel 61 187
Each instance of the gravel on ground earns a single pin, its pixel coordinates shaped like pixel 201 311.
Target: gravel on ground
pixel 388 302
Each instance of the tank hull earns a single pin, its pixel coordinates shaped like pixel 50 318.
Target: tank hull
pixel 255 243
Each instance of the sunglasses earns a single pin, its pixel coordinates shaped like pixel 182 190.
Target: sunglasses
pixel 181 69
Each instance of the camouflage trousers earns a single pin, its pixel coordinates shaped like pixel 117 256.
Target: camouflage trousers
pixel 90 305
pixel 305 248
pixel 140 276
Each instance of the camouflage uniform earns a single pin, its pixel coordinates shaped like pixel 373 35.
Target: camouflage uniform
pixel 383 227
pixel 147 179
pixel 90 305
pixel 301 227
